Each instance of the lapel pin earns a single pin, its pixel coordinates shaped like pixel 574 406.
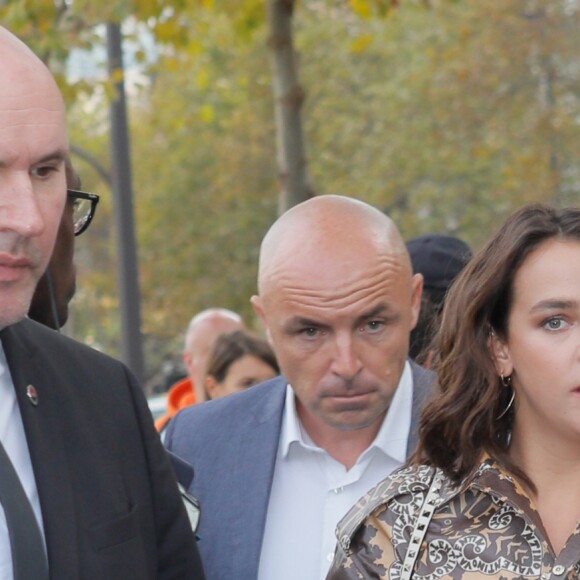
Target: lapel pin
pixel 32 395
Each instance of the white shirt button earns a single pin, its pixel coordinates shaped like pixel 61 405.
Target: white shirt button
pixel 330 556
pixel 337 490
pixel 558 570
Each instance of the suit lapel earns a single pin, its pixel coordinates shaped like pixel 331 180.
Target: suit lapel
pixel 256 448
pixel 30 366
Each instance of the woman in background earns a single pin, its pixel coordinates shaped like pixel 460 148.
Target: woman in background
pixel 500 447
pixel 238 361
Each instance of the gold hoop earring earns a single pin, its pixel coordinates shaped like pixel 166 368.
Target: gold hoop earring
pixel 507 383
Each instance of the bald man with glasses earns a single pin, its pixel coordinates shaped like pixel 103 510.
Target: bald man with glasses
pixel 86 489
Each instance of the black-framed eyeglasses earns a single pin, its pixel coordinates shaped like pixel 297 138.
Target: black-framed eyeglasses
pixel 85 205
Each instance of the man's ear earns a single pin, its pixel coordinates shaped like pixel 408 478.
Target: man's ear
pixel 188 362
pixel 259 310
pixel 212 387
pixel 416 293
pixel 500 354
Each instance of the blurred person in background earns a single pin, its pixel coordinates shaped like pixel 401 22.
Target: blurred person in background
pixel 202 332
pixel 239 360
pixel 439 258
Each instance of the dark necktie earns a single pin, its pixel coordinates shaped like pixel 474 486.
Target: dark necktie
pixel 28 556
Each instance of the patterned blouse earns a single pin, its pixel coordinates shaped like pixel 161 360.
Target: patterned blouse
pixel 485 528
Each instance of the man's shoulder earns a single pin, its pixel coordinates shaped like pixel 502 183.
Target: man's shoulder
pixel 33 339
pixel 268 395
pixel 207 430
pixel 424 382
pixel 422 375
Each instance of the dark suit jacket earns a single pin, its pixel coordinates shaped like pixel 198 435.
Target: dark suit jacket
pixel 108 495
pixel 232 444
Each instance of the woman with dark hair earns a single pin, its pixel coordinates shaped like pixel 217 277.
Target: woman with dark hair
pixel 494 488
pixel 238 361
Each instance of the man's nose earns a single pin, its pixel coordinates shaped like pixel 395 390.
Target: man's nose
pixel 19 208
pixel 346 362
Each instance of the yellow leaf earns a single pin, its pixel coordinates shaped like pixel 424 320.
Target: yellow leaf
pixel 206 113
pixel 194 46
pixel 359 44
pixel 361 7
pixel 202 79
pixel 116 75
pixel 166 31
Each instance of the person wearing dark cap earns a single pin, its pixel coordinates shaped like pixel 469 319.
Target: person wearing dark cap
pixel 439 258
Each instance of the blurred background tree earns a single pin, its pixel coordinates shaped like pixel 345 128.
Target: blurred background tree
pixel 447 115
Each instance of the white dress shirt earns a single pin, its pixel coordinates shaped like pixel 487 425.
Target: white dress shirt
pixel 311 491
pixel 14 441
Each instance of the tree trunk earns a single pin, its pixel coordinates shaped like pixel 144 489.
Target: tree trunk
pixel 288 99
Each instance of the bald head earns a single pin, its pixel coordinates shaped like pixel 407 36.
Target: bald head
pixel 33 150
pixel 22 72
pixel 326 227
pixel 202 332
pixel 338 299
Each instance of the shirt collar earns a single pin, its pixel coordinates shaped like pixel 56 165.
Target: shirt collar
pixel 291 430
pixel 3 364
pixel 391 438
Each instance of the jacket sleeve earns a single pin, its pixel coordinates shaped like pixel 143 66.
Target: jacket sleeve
pixel 178 556
pixel 370 554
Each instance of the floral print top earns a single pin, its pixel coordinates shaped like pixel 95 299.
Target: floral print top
pixel 485 528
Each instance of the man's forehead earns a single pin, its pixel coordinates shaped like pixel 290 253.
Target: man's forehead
pixel 32 135
pixel 27 151
pixel 364 308
pixel 337 265
pixel 352 295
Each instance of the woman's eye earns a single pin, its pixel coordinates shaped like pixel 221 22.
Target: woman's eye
pixel 554 323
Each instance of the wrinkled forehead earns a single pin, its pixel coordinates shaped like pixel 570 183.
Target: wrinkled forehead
pixel 31 134
pixel 338 277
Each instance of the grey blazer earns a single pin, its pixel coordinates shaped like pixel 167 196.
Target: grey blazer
pixel 232 444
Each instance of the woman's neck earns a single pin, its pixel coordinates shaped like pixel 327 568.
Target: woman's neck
pixel 554 468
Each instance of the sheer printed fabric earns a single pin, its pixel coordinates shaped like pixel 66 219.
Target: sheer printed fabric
pixel 486 527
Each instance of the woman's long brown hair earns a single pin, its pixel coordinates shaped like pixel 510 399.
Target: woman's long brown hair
pixel 465 419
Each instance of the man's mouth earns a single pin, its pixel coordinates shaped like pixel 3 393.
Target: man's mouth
pixel 12 268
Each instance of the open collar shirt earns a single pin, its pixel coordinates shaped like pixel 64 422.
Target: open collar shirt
pixel 311 491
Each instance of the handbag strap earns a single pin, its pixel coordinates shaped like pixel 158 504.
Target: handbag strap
pixel 421 525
